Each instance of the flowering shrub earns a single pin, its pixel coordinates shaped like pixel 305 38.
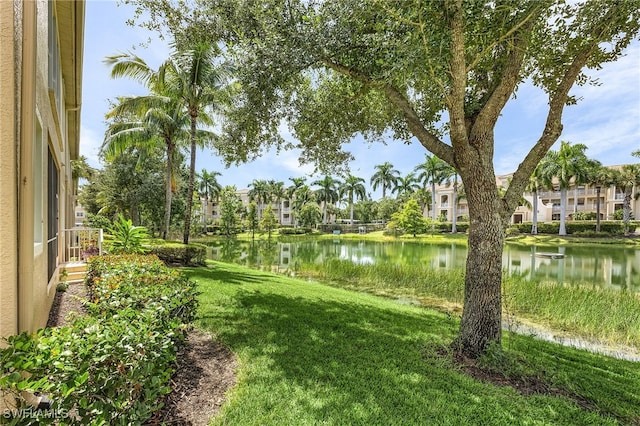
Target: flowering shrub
pixel 113 365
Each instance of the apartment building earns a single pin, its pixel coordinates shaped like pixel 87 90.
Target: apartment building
pixel 40 95
pixel 282 209
pixel 580 198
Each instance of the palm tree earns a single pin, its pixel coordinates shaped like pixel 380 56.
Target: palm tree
pixel 535 183
pixel 193 77
pixel 405 186
pixel 278 192
pixel 353 187
pixel 433 172
pixel 564 166
pixel 627 181
pixel 303 196
pixel 259 193
pixel 145 121
pixel 327 194
pixel 209 187
pixel 600 176
pixel 385 176
pixel 292 193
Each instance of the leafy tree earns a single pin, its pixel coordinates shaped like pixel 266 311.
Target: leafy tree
pixel 387 207
pixel 252 218
pixel 433 172
pixel 327 193
pixel 230 204
pixel 269 221
pixel 366 210
pixel 302 197
pixel 334 69
pixel 410 218
pixel 353 188
pixel 385 176
pixel 310 215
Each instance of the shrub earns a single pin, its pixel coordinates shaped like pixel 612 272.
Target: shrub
pixel 177 253
pixel 126 237
pixel 113 365
pixel 294 231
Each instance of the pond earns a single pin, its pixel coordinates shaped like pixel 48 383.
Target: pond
pixel 614 267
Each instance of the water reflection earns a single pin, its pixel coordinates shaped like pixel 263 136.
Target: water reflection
pixel 600 266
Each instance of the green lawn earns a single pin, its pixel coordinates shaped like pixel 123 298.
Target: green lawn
pixel 314 354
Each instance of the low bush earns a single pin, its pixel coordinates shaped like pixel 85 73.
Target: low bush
pixel 113 365
pixel 294 231
pixel 179 254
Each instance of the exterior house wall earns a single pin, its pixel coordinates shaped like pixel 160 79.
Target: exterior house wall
pixel 39 136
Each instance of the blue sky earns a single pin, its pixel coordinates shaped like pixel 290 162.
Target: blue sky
pixel 607 119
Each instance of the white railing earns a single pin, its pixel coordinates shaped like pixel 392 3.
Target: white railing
pixel 82 243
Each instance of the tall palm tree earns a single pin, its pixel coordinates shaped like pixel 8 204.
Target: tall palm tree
pixel 259 193
pixel 327 193
pixel 600 176
pixel 405 186
pixel 303 196
pixel 353 188
pixel 433 172
pixel 292 192
pixel 535 183
pixel 195 79
pixel 627 181
pixel 385 176
pixel 278 192
pixel 209 187
pixel 145 121
pixel 564 166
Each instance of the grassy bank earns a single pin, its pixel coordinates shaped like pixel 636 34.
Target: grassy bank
pixel 609 316
pixel 313 354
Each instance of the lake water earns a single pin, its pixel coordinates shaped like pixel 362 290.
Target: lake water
pixel 607 266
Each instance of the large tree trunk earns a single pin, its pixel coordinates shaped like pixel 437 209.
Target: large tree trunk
pixel 534 207
pixel 167 192
pixel 482 314
pixel 563 211
pixel 192 173
pixel 433 201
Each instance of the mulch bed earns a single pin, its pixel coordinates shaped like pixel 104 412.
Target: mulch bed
pixel 205 369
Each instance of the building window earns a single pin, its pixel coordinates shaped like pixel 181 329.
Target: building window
pixel 52 213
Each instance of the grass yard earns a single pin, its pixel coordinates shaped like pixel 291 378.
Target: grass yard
pixel 312 354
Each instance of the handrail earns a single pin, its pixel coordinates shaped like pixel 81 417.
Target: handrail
pixel 82 243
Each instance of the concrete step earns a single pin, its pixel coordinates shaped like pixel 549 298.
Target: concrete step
pixel 75 272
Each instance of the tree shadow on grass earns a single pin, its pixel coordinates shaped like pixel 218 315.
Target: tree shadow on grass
pixel 317 355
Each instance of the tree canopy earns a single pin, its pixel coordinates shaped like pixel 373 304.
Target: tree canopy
pixel 437 71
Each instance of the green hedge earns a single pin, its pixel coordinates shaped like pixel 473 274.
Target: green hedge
pixel 294 231
pixel 113 365
pixel 179 254
pixel 576 226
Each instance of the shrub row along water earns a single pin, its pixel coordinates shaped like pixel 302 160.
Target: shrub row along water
pixel 113 365
pixel 606 315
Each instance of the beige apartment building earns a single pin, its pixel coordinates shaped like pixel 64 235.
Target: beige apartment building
pixel 580 198
pixel 40 94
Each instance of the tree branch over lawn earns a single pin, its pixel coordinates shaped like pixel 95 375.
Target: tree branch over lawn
pixel 397 70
